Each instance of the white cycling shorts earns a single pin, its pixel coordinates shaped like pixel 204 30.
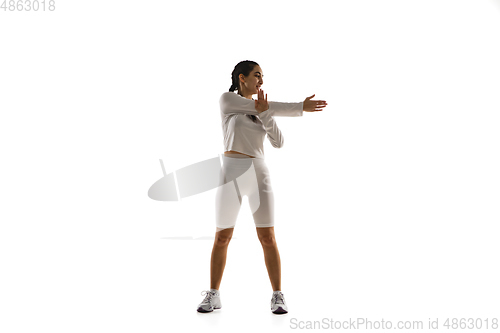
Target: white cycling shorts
pixel 239 177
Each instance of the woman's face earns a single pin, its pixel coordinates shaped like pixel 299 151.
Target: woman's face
pixel 251 83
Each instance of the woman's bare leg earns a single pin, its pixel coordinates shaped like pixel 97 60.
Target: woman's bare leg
pixel 271 255
pixel 219 254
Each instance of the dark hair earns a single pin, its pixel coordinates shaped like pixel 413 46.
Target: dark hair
pixel 243 67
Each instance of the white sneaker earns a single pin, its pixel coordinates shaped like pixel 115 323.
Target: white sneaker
pixel 211 301
pixel 278 305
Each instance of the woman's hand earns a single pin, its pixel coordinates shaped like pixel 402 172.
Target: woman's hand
pixel 313 106
pixel 261 104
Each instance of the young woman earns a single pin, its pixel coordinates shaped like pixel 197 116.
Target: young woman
pixel 245 123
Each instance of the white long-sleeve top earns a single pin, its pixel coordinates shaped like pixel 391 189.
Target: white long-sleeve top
pixel 242 134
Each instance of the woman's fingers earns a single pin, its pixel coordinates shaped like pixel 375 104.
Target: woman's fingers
pixel 320 104
pixel 315 105
pixel 261 95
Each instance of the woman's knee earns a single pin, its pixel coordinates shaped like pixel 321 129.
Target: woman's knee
pixel 266 236
pixel 222 237
pixel 222 241
pixel 267 240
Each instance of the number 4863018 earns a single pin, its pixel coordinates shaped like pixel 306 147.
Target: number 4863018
pixel 28 5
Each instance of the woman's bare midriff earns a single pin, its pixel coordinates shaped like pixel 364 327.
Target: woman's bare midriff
pixel 231 152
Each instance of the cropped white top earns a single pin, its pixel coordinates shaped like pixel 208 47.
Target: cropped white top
pixel 242 134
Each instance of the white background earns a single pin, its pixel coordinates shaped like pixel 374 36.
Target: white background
pixel 387 201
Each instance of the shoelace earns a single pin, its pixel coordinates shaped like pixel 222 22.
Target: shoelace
pixel 208 296
pixel 279 298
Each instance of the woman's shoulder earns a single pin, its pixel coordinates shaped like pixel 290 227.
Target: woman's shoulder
pixel 228 93
pixel 227 96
